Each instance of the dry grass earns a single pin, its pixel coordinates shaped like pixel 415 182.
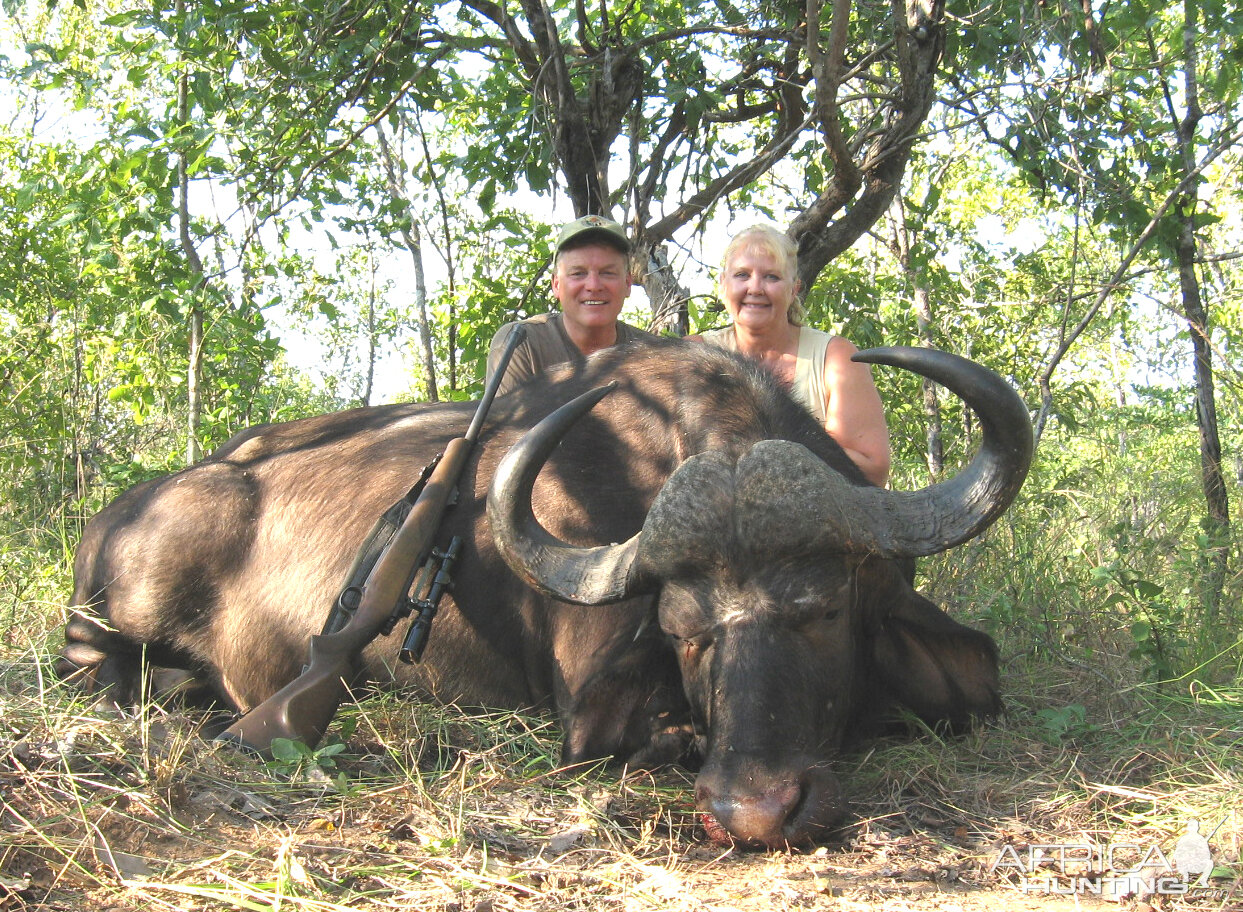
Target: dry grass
pixel 433 808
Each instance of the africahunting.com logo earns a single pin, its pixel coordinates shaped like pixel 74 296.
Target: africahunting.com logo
pixel 1113 870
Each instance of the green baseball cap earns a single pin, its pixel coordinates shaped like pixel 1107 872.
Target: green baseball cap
pixel 593 227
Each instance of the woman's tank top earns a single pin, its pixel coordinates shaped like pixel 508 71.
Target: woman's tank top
pixel 813 345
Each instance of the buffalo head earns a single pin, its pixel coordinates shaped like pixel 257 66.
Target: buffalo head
pixel 779 589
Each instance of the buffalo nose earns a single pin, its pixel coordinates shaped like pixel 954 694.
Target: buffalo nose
pixel 756 817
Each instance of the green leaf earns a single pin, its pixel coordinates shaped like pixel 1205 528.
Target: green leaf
pixel 287 751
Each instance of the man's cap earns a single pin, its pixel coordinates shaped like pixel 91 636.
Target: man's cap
pixel 593 228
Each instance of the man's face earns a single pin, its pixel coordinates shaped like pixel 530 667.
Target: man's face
pixel 592 283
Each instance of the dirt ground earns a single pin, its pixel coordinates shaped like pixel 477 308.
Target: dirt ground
pixel 129 817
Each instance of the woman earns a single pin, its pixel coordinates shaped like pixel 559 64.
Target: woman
pixel 759 285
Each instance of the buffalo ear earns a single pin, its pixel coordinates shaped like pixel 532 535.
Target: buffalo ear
pixel 928 663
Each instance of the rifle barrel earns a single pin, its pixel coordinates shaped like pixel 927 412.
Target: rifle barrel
pixel 516 335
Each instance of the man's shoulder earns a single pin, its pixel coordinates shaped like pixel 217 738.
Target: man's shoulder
pixel 545 326
pixel 544 319
pixel 539 326
pixel 628 333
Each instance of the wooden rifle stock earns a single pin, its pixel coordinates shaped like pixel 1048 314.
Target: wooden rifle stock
pixel 303 708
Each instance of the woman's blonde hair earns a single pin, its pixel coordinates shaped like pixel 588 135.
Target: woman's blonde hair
pixel 777 244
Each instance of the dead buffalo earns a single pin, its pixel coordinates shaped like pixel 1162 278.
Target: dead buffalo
pixel 752 605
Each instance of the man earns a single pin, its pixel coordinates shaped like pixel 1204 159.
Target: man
pixel 591 281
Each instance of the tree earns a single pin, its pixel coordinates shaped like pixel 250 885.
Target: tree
pixel 708 99
pixel 1123 120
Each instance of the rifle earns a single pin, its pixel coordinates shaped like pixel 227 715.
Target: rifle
pixel 303 708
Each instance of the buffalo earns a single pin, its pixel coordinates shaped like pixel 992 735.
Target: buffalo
pixel 753 600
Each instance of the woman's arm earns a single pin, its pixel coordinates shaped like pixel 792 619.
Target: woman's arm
pixel 854 415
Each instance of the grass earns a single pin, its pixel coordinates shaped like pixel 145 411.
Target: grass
pixel 433 808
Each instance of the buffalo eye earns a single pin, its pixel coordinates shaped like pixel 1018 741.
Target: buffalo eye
pixel 815 609
pixel 690 648
pixel 815 624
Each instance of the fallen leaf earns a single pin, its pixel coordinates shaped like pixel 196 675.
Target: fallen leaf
pixel 561 842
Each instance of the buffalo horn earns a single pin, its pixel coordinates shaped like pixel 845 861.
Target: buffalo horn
pixel 938 517
pixel 844 517
pixel 586 576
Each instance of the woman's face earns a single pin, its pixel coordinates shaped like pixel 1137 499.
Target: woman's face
pixel 758 291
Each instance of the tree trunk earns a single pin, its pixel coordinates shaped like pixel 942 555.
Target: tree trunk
pixel 901 247
pixel 194 393
pixel 932 401
pixel 194 369
pixel 373 347
pixel 432 178
pixel 1194 309
pixel 1211 477
pixel 862 192
pixel 1196 312
pixel 667 298
pixel 413 240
